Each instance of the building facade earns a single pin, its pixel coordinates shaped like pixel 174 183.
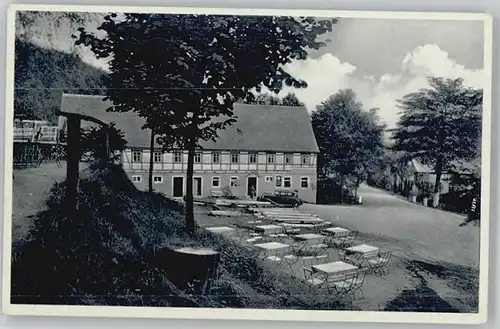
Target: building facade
pixel 242 172
pixel 268 148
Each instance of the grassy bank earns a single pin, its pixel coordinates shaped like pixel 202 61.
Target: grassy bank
pixel 107 254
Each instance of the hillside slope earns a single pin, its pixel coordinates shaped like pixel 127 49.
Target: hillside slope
pixel 42 75
pixel 110 253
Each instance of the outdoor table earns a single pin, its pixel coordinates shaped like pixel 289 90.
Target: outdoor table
pixel 221 229
pixel 338 231
pixel 363 252
pixel 334 268
pixel 311 238
pixel 269 229
pixel 272 248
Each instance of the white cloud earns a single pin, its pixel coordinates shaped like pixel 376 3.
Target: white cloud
pixel 327 74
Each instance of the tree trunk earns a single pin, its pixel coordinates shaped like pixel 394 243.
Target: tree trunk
pixel 189 187
pixel 342 190
pixel 151 159
pixel 72 166
pixel 437 183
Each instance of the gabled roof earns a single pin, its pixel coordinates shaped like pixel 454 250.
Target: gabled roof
pixel 258 127
pixel 462 167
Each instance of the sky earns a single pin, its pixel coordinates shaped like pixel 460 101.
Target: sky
pixel 380 59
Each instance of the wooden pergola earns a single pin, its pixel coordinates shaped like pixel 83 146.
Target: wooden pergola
pixel 73 154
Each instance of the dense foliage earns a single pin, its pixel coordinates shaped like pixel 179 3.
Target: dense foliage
pixel 42 75
pixel 183 73
pixel 99 143
pixel 350 140
pixel 440 125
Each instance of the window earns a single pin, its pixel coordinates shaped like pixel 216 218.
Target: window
pixel 304 182
pixel 157 156
pixel 177 157
pixel 288 158
pixel 235 157
pixel 269 179
pixel 278 181
pixel 234 181
pixel 252 157
pixel 305 159
pixel 215 181
pixel 287 182
pixel 216 157
pixel 270 158
pixel 136 156
pixel 158 179
pixel 137 178
pixel 197 157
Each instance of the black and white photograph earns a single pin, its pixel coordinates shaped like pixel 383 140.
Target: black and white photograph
pixel 247 164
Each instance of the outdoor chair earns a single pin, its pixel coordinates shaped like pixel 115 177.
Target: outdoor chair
pixel 358 283
pixel 349 239
pixel 318 249
pixel 342 284
pixel 313 278
pixel 379 264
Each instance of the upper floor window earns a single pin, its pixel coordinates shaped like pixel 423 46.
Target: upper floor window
pixel 157 156
pixel 235 157
pixel 270 157
pixel 197 157
pixel 288 158
pixel 305 159
pixel 177 157
pixel 216 157
pixel 252 157
pixel 137 156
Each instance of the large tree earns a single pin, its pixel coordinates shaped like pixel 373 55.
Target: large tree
pixel 349 139
pixel 440 125
pixel 182 73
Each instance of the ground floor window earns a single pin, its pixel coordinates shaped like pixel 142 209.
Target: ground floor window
pixel 287 182
pixel 278 181
pixel 215 181
pixel 304 182
pixel 137 178
pixel 158 179
pixel 234 181
pixel 269 179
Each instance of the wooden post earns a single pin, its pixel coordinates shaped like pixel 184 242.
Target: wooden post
pixel 73 160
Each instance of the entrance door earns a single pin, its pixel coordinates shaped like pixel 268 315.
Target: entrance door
pixel 197 186
pixel 178 187
pixel 252 186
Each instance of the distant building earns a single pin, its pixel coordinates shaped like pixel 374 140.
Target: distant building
pixel 269 148
pixel 417 172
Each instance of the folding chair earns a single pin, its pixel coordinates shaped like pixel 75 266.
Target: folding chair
pixel 358 282
pixel 349 239
pixel 379 265
pixel 342 284
pixel 313 278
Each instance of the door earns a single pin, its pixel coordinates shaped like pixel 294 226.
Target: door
pixel 178 187
pixel 197 186
pixel 252 186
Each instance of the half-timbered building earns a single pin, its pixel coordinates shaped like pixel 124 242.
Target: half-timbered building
pixel 268 148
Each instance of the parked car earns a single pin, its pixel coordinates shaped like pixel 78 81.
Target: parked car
pixel 282 198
